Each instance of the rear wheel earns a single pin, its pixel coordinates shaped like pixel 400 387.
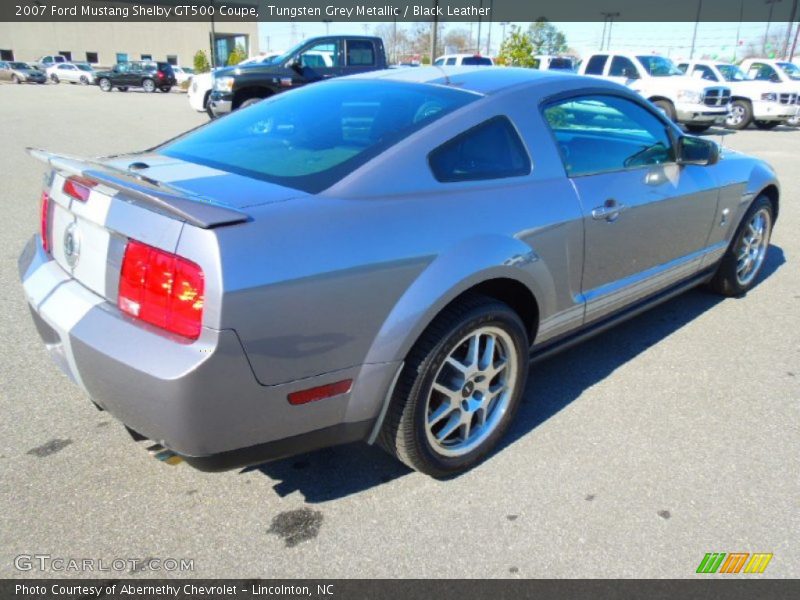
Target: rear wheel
pixel 698 128
pixel 740 115
pixel 165 88
pixel 105 84
pixel 667 108
pixel 767 124
pixel 746 254
pixel 459 389
pixel 149 86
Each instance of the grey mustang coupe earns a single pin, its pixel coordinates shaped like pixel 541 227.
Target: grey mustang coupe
pixel 378 258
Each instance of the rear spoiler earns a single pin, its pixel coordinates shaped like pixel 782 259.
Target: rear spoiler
pixel 161 197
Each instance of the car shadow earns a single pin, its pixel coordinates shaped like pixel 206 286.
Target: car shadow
pixel 553 384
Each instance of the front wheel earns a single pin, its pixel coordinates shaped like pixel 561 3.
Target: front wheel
pixel 745 257
pixel 84 80
pixel 104 84
pixel 250 102
pixel 793 121
pixel 698 128
pixel 767 124
pixel 459 389
pixel 15 79
pixel 54 78
pixel 740 115
pixel 149 86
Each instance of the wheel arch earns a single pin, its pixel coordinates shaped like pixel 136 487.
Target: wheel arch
pixel 773 195
pixel 252 91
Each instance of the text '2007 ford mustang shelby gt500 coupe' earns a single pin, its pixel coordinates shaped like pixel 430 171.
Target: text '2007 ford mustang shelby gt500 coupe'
pixel 378 258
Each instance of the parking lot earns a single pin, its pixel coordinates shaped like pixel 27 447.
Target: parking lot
pixel 633 455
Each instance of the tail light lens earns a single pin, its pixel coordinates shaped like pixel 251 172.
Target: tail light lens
pixel 78 188
pixel 160 74
pixel 162 289
pixel 44 221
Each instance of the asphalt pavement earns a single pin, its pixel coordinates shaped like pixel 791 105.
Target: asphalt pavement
pixel 634 454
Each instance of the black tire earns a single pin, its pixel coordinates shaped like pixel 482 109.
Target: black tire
pixel 403 433
pixel 54 78
pixel 250 102
pixel 744 111
pixel 84 80
pixel 667 108
pixel 725 280
pixel 698 128
pixel 165 88
pixel 148 85
pixel 15 79
pixel 105 84
pixel 766 124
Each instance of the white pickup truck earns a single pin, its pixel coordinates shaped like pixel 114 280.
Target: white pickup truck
pixel 764 103
pixel 782 72
pixel 683 99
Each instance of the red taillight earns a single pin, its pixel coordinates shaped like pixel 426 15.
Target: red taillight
pixel 162 289
pixel 321 392
pixel 78 188
pixel 160 74
pixel 44 219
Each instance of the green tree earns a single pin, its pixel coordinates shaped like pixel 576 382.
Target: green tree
pixel 201 64
pixel 237 55
pixel 546 38
pixel 517 49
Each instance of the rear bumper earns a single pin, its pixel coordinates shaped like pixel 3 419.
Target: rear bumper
pixel 700 113
pixel 201 399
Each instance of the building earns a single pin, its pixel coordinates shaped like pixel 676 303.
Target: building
pixel 107 43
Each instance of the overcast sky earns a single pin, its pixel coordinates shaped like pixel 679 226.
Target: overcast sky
pixel 672 39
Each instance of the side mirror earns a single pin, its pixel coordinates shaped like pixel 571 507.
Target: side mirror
pixel 693 150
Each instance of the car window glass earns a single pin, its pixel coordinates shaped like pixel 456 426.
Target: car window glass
pixel 491 150
pixel 682 67
pixel 320 56
pixel 312 137
pixel 438 62
pixel 597 134
pixel 596 64
pixel 705 72
pixel 360 53
pixel 761 72
pixel 451 60
pixel 621 66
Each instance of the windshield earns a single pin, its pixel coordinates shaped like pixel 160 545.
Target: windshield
pixel 731 73
pixel 658 66
pixel 19 65
pixel 791 69
pixel 560 63
pixel 290 53
pixel 476 61
pixel 316 135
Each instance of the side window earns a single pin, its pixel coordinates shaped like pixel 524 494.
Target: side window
pixel 761 72
pixel 491 150
pixel 622 66
pixel 705 73
pixel 682 67
pixel 451 60
pixel 599 134
pixel 596 64
pixel 438 62
pixel 320 56
pixel 360 53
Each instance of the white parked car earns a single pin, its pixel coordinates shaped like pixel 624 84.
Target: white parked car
pixel 547 62
pixel 182 74
pixel 71 72
pixel 764 103
pixel 200 87
pixel 683 99
pixel 777 71
pixel 463 60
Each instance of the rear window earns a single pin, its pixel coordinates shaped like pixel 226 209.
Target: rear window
pixel 476 60
pixel 596 64
pixel 491 150
pixel 560 63
pixel 314 136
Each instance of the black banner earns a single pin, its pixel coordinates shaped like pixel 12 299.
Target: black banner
pixel 734 588
pixel 399 10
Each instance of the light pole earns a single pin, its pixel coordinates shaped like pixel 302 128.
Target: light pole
pixel 434 31
pixel 327 26
pixel 769 21
pixel 792 17
pixel 738 29
pixel 696 23
pixel 489 35
pixel 480 21
pixel 610 16
pixel 503 25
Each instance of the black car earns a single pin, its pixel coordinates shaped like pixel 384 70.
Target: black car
pixel 148 75
pixel 313 60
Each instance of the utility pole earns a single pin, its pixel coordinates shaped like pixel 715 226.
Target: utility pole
pixel 794 43
pixel 394 41
pixel 610 16
pixel 327 26
pixel 769 21
pixel 696 23
pixel 738 29
pixel 503 25
pixel 603 35
pixel 480 20
pixel 792 18
pixel 213 38
pixel 489 35
pixel 435 30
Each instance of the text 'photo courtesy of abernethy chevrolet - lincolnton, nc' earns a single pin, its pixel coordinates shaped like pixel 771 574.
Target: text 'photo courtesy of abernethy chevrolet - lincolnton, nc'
pixel 379 257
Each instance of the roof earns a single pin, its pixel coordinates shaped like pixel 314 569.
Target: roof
pixel 480 79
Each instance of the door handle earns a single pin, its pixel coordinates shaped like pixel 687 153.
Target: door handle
pixel 610 211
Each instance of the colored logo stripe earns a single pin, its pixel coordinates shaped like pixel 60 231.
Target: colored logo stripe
pixel 717 561
pixel 734 562
pixel 711 562
pixel 758 563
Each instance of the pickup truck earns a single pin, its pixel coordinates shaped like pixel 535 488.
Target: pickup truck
pixel 683 99
pixel 764 103
pixel 782 72
pixel 313 60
